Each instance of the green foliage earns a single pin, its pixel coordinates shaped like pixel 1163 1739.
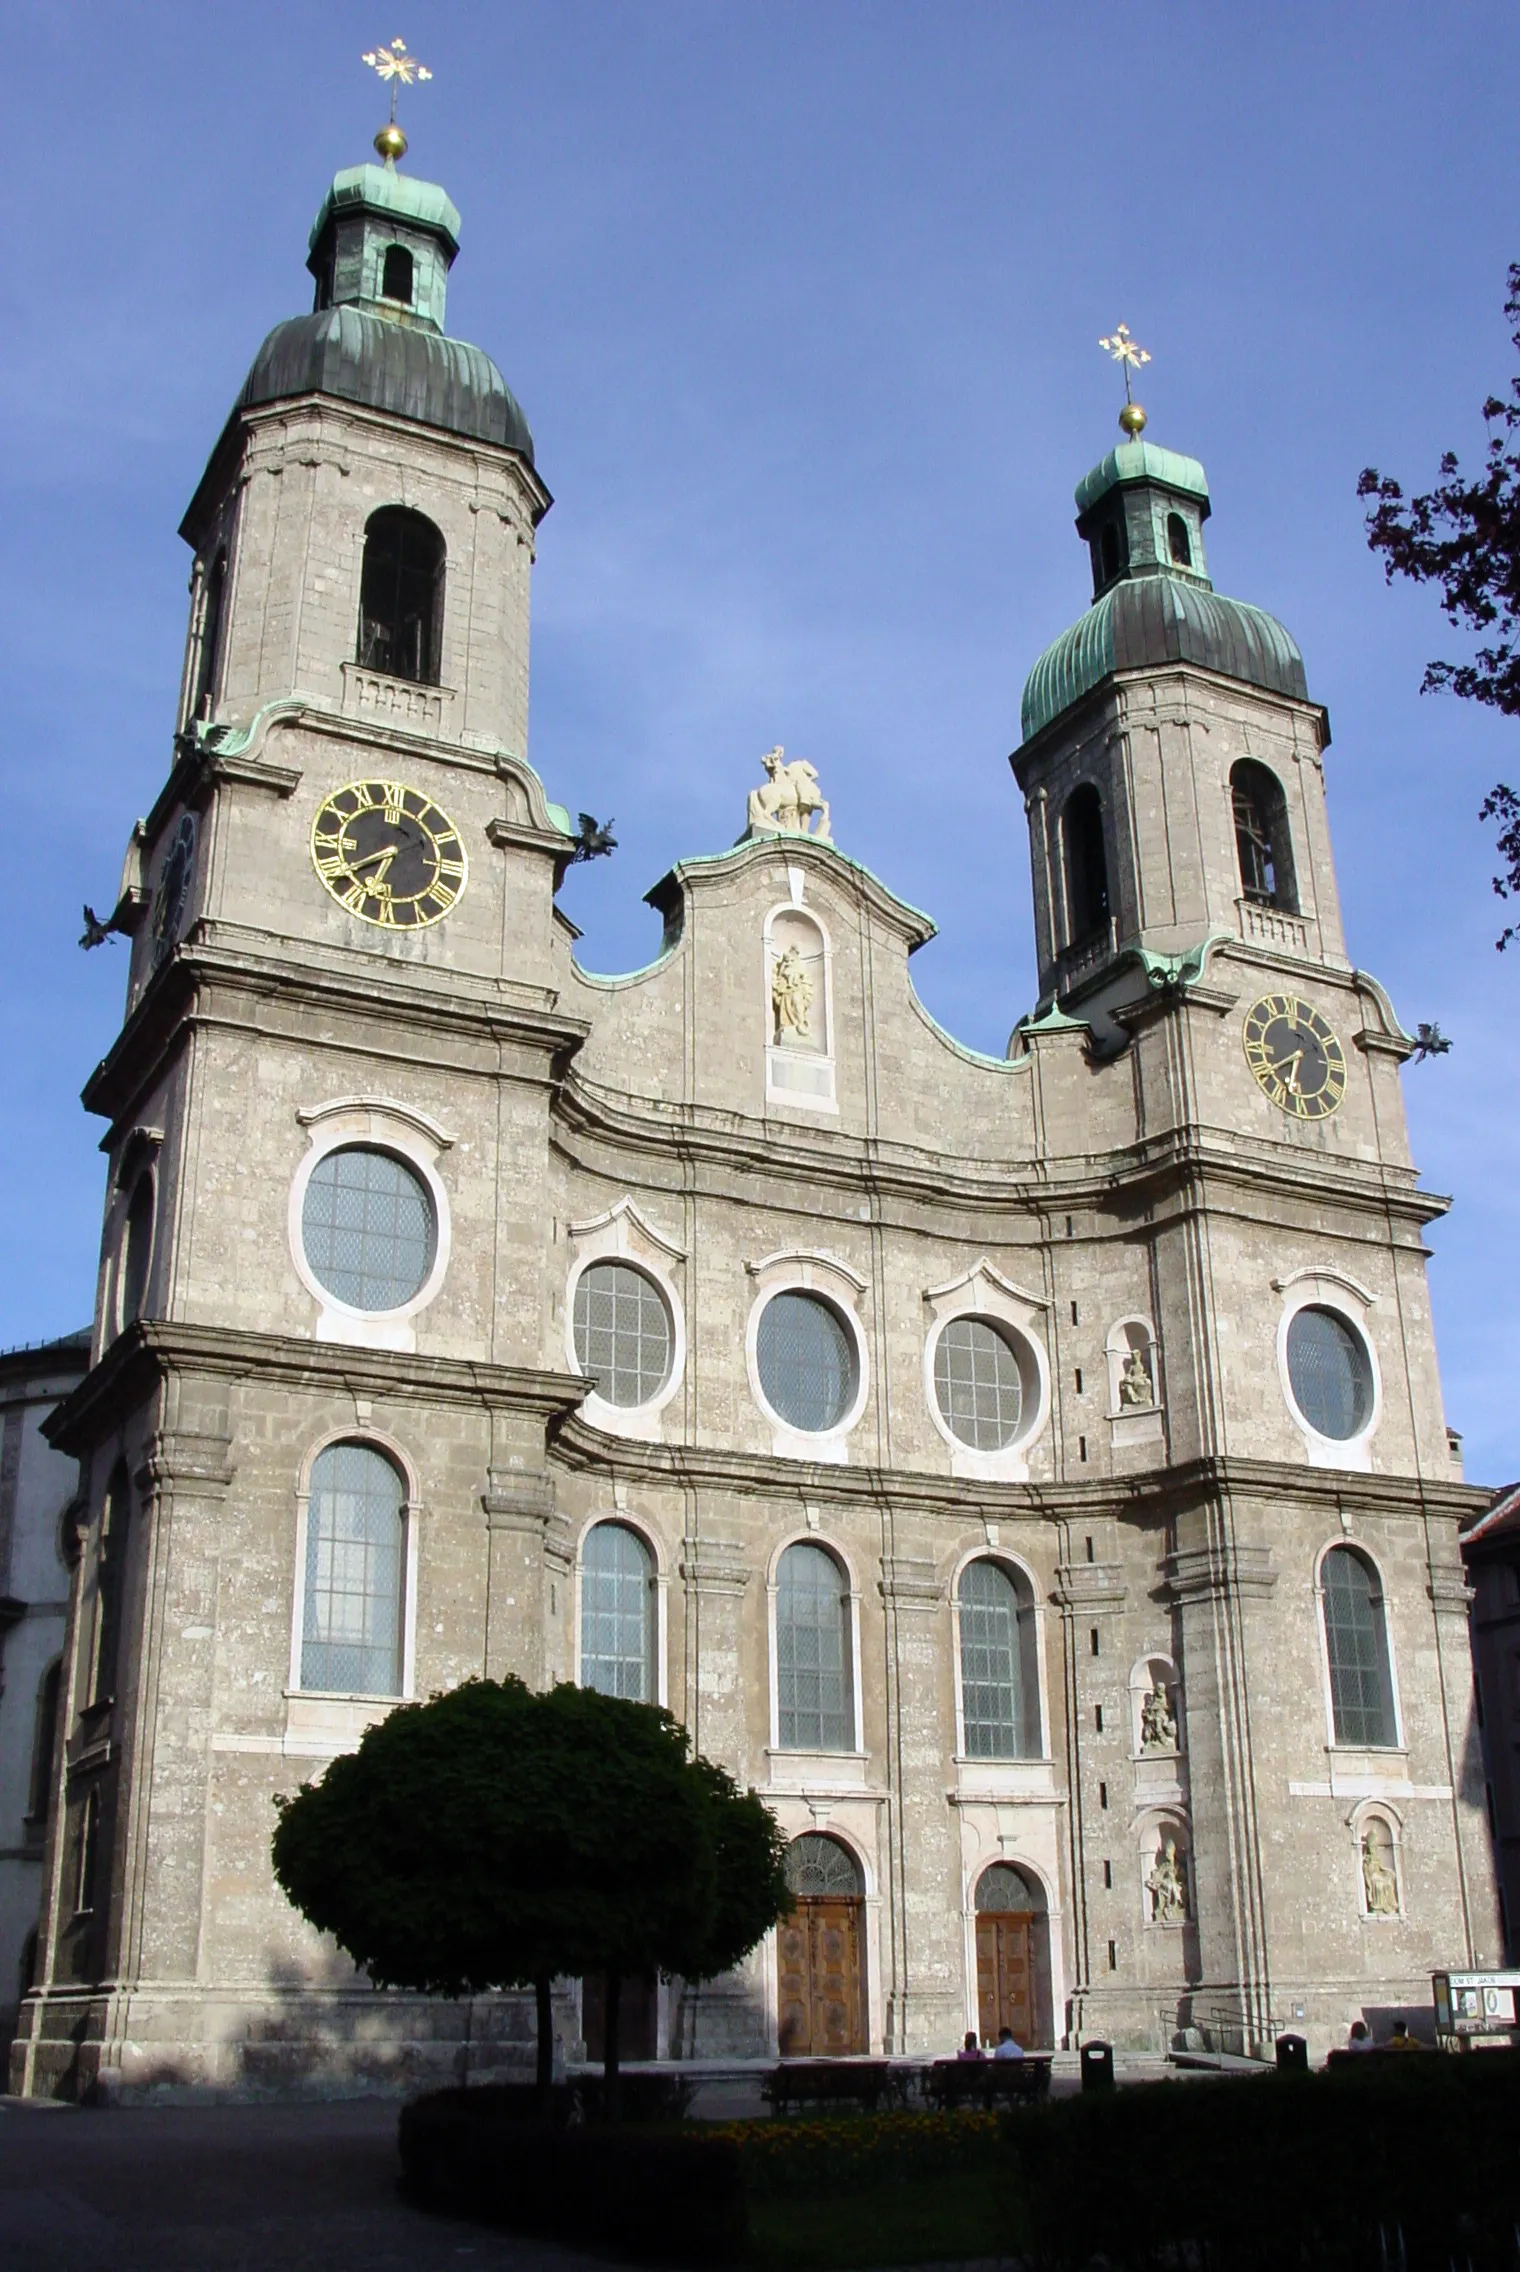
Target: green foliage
pixel 493 1837
pixel 1464 536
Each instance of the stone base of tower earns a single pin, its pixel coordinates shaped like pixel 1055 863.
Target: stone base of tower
pixel 169 2044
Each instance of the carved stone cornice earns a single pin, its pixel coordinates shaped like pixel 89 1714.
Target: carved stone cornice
pixel 909 1582
pixel 1449 1589
pixel 713 1566
pixel 154 1350
pixel 1209 1573
pixel 518 1499
pixel 186 1460
pixel 1095 1587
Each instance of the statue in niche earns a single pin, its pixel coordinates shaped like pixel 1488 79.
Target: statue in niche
pixel 788 800
pixel 1136 1389
pixel 1158 1722
pixel 1379 1885
pixel 792 996
pixel 1167 1885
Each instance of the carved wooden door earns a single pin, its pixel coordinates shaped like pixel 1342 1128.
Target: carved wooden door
pixel 821 2008
pixel 1005 1977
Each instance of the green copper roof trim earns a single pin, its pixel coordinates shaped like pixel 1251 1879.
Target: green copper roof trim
pixel 1159 619
pixel 609 980
pixel 1003 1064
pixel 1142 461
pixel 782 838
pixel 1167 974
pixel 1052 1019
pixel 380 189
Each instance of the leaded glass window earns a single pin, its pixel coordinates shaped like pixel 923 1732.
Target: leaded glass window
pixel 1356 1643
pixel 355 1567
pixel 977 1384
pixel 622 1332
pixel 617 1614
pixel 368 1229
pixel 807 1362
pixel 1330 1373
pixel 1004 1891
pixel 815 1693
pixel 993 1670
pixel 819 1866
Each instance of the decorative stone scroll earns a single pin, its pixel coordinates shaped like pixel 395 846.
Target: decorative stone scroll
pixel 788 801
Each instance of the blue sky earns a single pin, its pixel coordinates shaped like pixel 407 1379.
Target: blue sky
pixel 802 302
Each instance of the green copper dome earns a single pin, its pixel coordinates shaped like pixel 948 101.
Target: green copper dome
pixel 381 248
pixel 1142 513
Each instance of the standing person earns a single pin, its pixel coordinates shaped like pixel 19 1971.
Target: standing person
pixel 1007 2048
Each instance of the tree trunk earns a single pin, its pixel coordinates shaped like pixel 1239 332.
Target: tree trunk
pixel 544 2076
pixel 611 2093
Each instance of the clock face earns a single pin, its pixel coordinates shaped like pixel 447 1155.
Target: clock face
pixel 389 855
pixel 1295 1055
pixel 173 888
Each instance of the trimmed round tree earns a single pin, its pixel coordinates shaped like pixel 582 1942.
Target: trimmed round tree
pixel 494 1838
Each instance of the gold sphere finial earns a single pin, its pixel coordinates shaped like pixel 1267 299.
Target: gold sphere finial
pixel 1132 419
pixel 391 143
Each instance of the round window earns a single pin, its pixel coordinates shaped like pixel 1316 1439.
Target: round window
pixel 977 1384
pixel 1330 1373
pixel 807 1362
pixel 622 1332
pixel 368 1229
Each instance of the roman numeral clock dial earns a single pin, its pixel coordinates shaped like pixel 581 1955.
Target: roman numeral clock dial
pixel 389 855
pixel 1296 1056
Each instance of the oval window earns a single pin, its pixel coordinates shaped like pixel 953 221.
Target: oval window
pixel 1330 1373
pixel 368 1228
pixel 978 1384
pixel 622 1332
pixel 807 1362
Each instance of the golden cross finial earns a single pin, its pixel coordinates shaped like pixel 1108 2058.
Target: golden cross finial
pixel 1129 357
pixel 401 69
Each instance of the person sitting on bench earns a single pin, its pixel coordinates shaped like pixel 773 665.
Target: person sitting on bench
pixel 970 2049
pixel 1006 2046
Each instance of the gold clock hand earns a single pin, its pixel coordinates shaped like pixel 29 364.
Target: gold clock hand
pixel 387 853
pixel 1290 1077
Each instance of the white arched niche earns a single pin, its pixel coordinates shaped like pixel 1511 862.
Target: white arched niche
pixel 985 1296
pixel 1134 1382
pixel 799 1005
pixel 623 1233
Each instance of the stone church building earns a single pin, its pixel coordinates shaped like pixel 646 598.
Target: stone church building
pixel 1030 1473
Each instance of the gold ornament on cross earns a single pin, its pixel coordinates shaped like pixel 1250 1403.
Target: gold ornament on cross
pixel 396 64
pixel 1129 357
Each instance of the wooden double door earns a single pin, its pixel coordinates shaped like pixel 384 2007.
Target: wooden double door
pixel 820 1978
pixel 1005 1976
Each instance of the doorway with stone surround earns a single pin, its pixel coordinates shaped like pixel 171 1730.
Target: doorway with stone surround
pixel 1012 1957
pixel 820 1954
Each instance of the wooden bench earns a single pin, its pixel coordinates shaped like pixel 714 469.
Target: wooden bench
pixel 833 2082
pixel 986 2082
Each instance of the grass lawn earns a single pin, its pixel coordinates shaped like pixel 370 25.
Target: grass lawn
pixel 917 2221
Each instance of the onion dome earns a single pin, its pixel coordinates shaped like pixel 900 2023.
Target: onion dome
pixel 1141 513
pixel 381 249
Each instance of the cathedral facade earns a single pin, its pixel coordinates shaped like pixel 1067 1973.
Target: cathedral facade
pixel 1030 1473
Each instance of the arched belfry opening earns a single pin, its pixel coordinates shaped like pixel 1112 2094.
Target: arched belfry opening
pixel 401 595
pixel 1263 838
pixel 1086 864
pixel 396 275
pixel 1179 544
pixel 820 1953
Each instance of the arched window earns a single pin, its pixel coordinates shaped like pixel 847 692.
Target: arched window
pixel 622 1333
pixel 396 275
pixel 1263 839
pixel 814 1684
pixel 136 1251
pixel 110 1588
pixel 44 1744
pixel 208 651
pixel 1356 1645
pixel 1111 549
pixel 1178 543
pixel 819 1868
pixel 999 1699
pixel 618 1614
pixel 355 1572
pixel 1086 865
pixel 401 595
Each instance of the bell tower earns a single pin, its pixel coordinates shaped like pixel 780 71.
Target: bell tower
pixel 1171 755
